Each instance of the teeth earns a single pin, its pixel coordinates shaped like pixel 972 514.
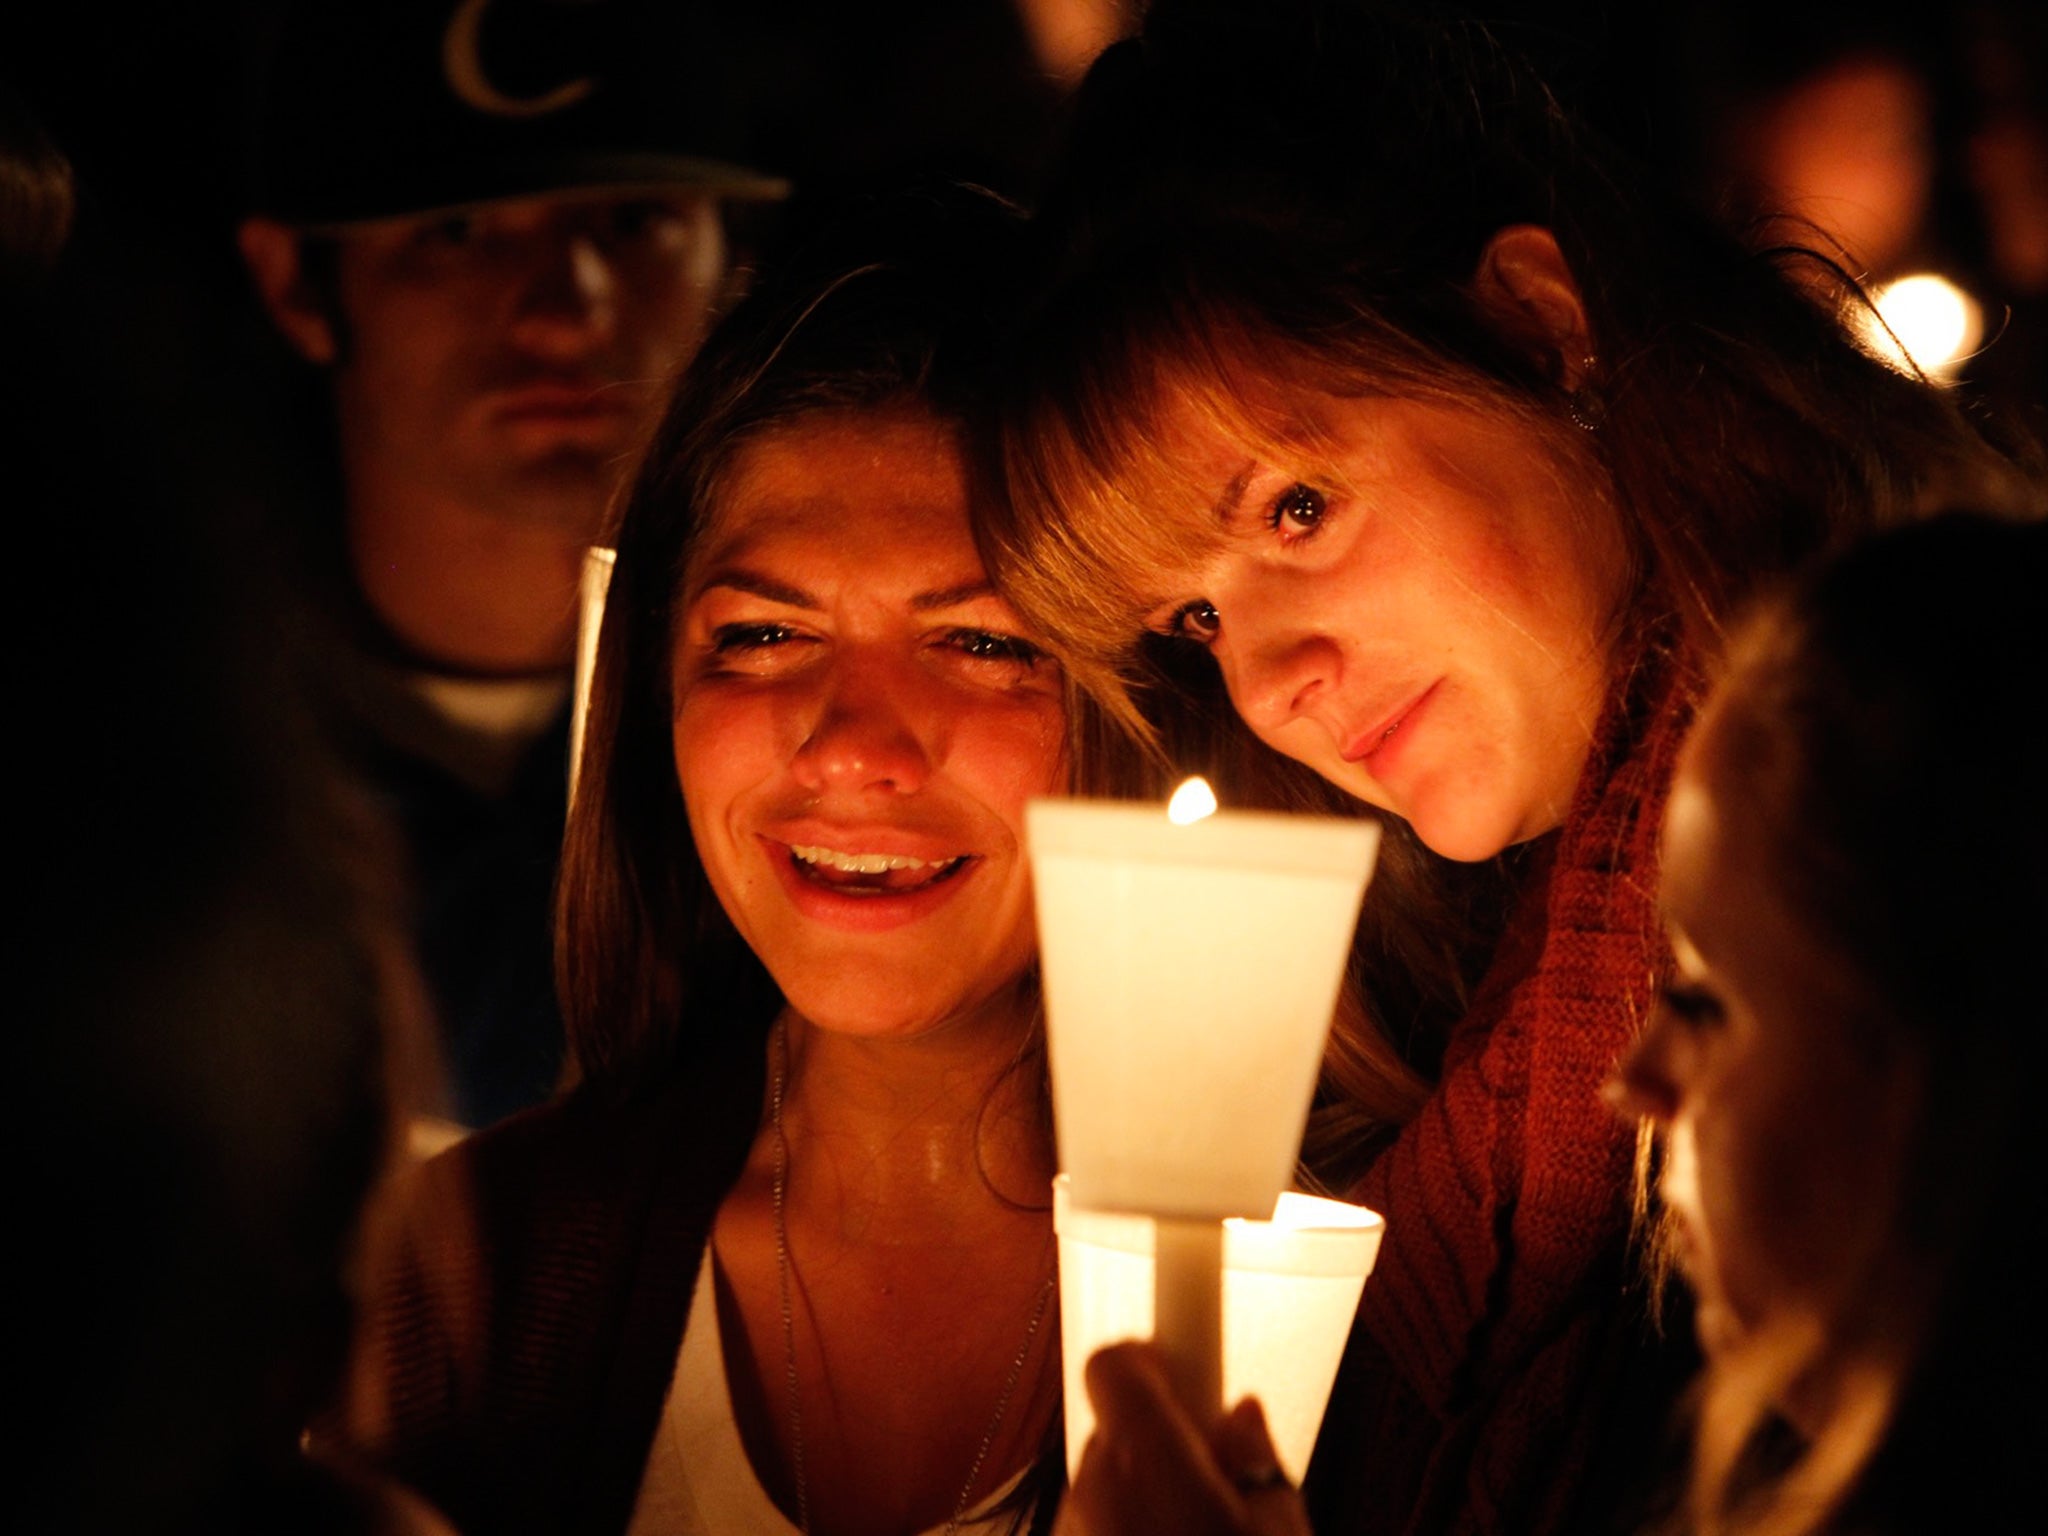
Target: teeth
pixel 858 863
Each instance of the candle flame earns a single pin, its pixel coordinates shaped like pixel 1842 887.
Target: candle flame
pixel 1191 802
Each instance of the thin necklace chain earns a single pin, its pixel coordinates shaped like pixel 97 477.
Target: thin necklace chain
pixel 781 1188
pixel 779 1202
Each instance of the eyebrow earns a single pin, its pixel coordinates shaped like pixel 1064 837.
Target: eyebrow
pixel 1233 494
pixel 766 588
pixel 953 597
pixel 754 584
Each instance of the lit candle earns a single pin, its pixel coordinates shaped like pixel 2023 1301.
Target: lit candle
pixel 1190 973
pixel 1191 802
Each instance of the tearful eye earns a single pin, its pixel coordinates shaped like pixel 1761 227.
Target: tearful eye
pixel 1298 509
pixel 987 645
pixel 1198 620
pixel 739 639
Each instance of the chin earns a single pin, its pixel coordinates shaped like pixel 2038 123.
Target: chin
pixel 1471 818
pixel 880 1007
pixel 564 490
pixel 1461 835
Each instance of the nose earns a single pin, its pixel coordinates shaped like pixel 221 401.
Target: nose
pixel 868 733
pixel 1646 1082
pixel 567 305
pixel 1276 678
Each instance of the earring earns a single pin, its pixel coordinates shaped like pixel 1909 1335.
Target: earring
pixel 1584 405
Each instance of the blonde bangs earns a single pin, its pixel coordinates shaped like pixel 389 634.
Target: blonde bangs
pixel 1107 430
pixel 1108 514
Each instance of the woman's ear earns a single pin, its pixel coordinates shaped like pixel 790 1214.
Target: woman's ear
pixel 272 253
pixel 1524 286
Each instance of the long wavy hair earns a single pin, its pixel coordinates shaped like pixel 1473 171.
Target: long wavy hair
pixel 885 305
pixel 1870 732
pixel 1273 202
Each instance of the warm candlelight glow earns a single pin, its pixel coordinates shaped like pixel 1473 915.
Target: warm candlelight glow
pixel 1191 802
pixel 1290 1288
pixel 1924 318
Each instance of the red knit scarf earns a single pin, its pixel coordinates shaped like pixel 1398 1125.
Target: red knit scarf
pixel 1508 1197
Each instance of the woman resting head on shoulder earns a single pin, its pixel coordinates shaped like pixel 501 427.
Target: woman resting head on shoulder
pixel 1364 369
pixel 1856 879
pixel 783 1258
pixel 1402 408
pixel 1367 386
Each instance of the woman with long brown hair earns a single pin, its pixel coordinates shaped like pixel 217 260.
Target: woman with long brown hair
pixel 782 1260
pixel 1390 401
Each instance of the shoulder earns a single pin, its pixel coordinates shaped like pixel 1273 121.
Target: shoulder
pixel 570 1178
pixel 495 1270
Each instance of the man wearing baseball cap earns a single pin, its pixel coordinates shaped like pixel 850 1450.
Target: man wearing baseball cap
pixel 495 226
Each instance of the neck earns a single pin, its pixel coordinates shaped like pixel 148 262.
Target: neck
pixel 921 1125
pixel 890 1247
pixel 461 586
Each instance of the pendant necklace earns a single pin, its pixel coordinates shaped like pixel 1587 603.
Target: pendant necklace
pixel 780 1190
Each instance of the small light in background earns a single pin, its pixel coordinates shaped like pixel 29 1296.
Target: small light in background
pixel 1925 318
pixel 1191 802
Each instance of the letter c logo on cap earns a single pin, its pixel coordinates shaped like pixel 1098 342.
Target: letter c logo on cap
pixel 464 67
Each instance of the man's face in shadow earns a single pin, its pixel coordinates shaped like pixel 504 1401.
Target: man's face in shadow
pixel 506 356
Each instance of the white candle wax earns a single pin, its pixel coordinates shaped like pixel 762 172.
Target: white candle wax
pixel 1190 973
pixel 1290 1288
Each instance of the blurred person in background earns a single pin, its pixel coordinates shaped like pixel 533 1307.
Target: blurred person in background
pixel 1833 129
pixel 1911 142
pixel 215 1045
pixel 1856 885
pixel 496 228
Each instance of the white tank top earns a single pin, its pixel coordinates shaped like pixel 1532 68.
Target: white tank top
pixel 698 1481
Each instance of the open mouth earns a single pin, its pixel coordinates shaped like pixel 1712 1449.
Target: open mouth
pixel 871 874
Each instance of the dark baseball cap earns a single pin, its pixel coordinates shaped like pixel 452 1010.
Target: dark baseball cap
pixel 380 108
